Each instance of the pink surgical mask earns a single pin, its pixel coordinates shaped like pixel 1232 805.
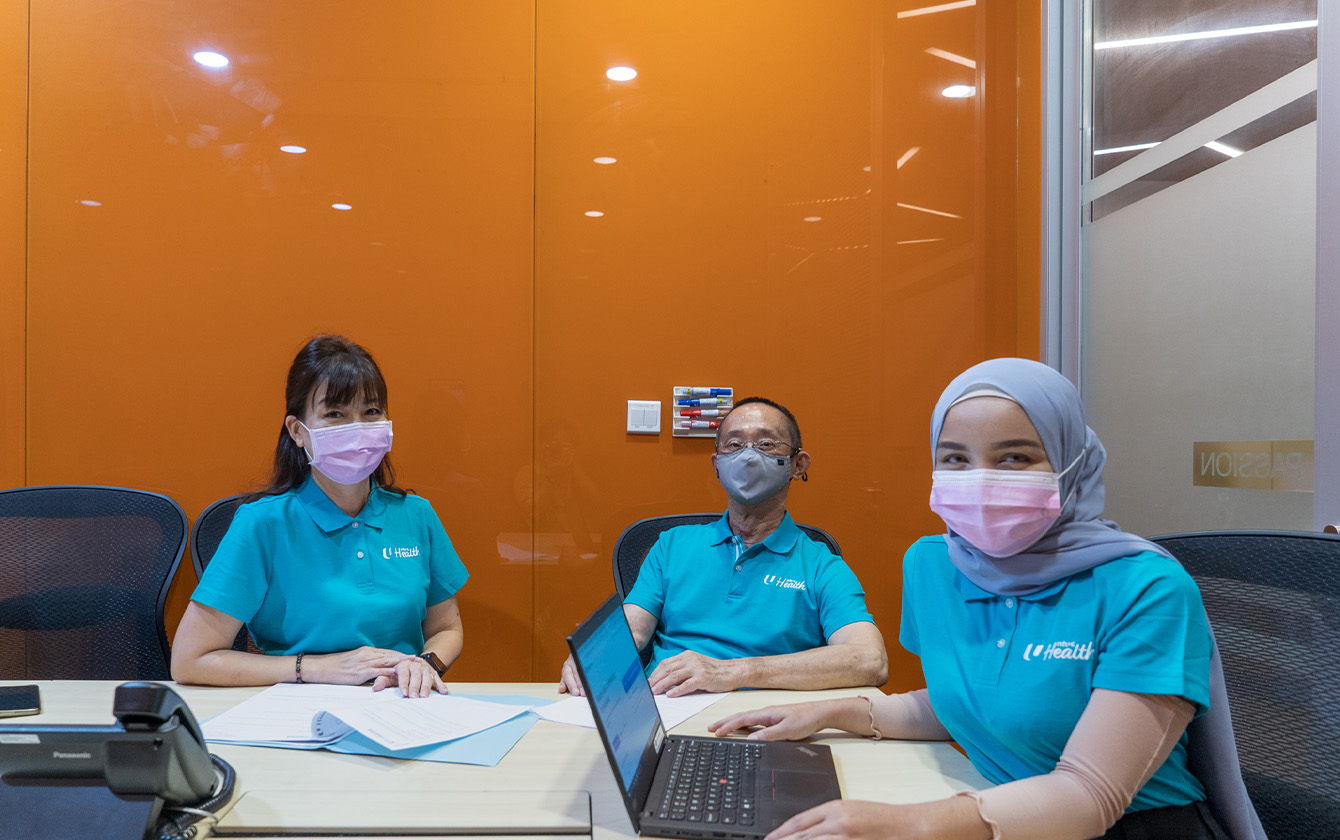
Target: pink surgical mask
pixel 1001 512
pixel 349 453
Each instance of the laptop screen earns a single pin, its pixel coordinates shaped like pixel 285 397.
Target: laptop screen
pixel 621 700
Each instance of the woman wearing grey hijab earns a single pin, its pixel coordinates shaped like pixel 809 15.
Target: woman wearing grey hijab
pixel 1065 656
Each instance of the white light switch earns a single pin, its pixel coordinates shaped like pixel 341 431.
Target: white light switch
pixel 644 417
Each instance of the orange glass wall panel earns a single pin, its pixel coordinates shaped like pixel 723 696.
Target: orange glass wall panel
pixel 163 320
pixel 13 196
pixel 766 226
pixel 796 211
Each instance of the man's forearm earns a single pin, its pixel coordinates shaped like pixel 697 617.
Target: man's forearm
pixel 830 666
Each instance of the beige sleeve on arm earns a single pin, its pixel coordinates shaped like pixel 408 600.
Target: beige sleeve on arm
pixel 1118 744
pixel 907 716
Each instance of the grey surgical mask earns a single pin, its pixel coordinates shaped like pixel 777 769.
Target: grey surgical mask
pixel 750 476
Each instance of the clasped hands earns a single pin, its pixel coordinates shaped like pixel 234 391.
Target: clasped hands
pixel 412 675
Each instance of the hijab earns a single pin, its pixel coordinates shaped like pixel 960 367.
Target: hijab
pixel 1080 540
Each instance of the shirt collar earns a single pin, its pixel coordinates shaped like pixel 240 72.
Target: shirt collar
pixel 328 516
pixel 780 541
pixel 972 592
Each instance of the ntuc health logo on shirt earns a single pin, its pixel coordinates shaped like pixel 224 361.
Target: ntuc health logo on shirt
pixel 1059 650
pixel 393 553
pixel 783 583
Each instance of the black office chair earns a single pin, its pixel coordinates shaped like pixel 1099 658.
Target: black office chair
pixel 84 573
pixel 209 528
pixel 638 538
pixel 1273 599
pixel 206 534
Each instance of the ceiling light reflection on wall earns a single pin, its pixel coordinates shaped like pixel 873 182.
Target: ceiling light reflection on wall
pixel 621 74
pixel 605 160
pixel 959 91
pixel 211 59
pixel 339 205
pixel 814 218
pixel 929 210
pixel 907 155
pixel 1138 147
pixel 294 150
pixel 943 7
pixel 1213 145
pixel 1213 33
pixel 1223 150
pixel 88 202
pixel 595 214
pixel 954 57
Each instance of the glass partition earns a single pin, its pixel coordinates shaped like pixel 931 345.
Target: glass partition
pixel 1199 261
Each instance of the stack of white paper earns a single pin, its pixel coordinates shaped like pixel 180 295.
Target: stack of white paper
pixel 576 711
pixel 317 715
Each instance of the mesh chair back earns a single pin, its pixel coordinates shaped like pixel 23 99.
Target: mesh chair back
pixel 84 573
pixel 209 528
pixel 638 538
pixel 1273 599
pixel 206 534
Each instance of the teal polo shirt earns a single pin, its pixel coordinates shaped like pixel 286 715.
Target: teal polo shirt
pixel 305 576
pixel 714 596
pixel 1009 677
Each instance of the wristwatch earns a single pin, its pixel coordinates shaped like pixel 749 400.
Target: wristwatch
pixel 434 662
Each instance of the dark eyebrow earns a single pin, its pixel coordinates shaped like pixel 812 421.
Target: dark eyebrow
pixel 1017 443
pixel 949 444
pixel 763 431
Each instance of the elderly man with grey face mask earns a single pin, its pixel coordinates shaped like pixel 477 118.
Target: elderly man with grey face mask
pixel 750 600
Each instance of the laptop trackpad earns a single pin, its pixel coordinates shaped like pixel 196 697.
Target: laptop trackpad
pixel 795 791
pixel 814 788
pixel 800 784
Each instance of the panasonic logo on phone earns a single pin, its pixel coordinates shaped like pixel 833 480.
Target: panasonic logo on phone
pixel 58 754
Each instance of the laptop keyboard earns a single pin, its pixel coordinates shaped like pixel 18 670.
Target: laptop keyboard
pixel 711 782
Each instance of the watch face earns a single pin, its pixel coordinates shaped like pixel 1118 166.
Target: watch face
pixel 435 662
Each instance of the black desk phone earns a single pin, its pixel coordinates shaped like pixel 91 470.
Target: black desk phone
pixel 126 780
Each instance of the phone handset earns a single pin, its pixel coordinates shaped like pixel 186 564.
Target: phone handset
pixel 174 765
pixel 146 705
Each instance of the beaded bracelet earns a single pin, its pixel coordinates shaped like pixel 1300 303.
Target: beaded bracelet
pixel 297 669
pixel 879 736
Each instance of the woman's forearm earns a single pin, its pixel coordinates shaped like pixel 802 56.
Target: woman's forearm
pixel 232 667
pixel 908 716
pixel 447 644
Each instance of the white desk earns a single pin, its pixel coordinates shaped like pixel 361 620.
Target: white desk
pixel 550 757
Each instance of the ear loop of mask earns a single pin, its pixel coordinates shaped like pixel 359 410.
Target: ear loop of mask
pixel 307 450
pixel 1071 494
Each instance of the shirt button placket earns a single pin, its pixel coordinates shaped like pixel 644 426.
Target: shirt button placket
pixel 736 587
pixel 366 579
pixel 1007 620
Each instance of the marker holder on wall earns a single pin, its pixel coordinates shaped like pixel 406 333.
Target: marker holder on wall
pixel 696 411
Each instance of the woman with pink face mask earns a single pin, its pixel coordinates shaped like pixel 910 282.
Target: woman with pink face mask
pixel 1065 657
pixel 338 575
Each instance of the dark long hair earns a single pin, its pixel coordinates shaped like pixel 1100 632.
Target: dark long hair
pixel 346 369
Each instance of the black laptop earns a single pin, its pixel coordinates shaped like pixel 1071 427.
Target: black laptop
pixel 678 786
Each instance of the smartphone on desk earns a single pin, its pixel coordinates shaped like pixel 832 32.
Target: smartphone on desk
pixel 17 700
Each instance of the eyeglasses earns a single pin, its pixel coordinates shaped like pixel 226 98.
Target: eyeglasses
pixel 766 446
